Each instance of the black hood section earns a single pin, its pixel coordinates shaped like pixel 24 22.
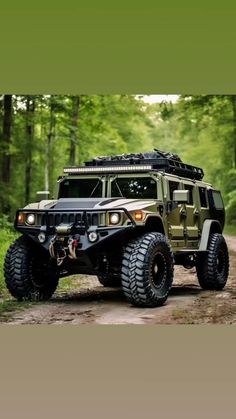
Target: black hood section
pixel 81 203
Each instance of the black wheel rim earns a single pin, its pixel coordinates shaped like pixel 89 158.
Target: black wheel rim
pixel 39 279
pixel 158 270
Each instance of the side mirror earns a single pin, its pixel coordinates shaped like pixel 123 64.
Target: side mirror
pixel 42 195
pixel 181 196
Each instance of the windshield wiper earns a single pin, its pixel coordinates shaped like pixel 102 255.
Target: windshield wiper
pixel 119 189
pixel 94 189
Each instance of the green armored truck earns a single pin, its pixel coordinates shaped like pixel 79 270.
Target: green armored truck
pixel 128 219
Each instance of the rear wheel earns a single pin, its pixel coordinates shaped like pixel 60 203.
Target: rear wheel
pixel 213 267
pixel 29 272
pixel 147 270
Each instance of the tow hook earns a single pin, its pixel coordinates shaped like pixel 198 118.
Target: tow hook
pixel 57 251
pixel 72 246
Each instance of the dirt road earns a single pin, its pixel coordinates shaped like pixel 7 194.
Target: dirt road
pixel 92 303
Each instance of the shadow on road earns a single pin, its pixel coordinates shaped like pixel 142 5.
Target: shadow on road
pixel 115 295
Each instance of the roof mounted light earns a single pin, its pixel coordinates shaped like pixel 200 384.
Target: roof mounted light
pixel 107 169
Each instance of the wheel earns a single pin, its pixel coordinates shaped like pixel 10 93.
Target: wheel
pixel 147 270
pixel 213 267
pixel 29 272
pixel 109 281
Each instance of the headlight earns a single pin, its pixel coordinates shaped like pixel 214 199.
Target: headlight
pixel 30 219
pixel 114 218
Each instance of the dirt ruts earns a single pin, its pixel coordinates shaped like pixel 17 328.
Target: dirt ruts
pixel 92 303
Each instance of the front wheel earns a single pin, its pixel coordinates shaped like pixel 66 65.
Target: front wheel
pixel 147 270
pixel 29 272
pixel 213 267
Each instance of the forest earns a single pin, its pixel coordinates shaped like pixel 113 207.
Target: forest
pixel 40 134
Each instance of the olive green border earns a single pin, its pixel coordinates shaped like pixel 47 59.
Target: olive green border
pixel 117 47
pixel 118 372
pixel 125 46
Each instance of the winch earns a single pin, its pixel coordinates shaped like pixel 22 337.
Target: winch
pixel 62 247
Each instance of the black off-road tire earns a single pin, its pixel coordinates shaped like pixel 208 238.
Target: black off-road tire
pixel 147 270
pixel 213 268
pixel 29 272
pixel 109 281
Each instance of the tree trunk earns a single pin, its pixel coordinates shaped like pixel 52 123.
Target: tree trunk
pixel 30 108
pixel 233 100
pixel 5 150
pixel 50 135
pixel 6 136
pixel 74 129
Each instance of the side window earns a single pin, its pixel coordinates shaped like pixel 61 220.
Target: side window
pixel 215 199
pixel 218 201
pixel 190 189
pixel 203 197
pixel 173 186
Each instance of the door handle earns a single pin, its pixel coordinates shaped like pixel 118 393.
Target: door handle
pixel 183 211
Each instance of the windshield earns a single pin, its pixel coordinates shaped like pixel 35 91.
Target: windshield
pixel 81 188
pixel 139 187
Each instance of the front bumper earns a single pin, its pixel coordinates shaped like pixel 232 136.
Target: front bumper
pixel 77 223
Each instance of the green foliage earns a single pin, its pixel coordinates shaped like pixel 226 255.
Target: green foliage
pixel 7 237
pixel 201 129
pixel 106 125
pixel 5 223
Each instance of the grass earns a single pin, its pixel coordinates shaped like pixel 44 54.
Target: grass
pixel 8 308
pixel 182 316
pixel 6 238
pixel 211 307
pixel 68 283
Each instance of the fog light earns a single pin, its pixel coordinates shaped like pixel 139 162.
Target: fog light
pixel 93 236
pixel 138 215
pixel 30 219
pixel 42 237
pixel 114 218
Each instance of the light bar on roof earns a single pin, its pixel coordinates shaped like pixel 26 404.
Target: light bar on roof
pixel 131 168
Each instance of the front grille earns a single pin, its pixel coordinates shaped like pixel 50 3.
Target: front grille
pixel 78 218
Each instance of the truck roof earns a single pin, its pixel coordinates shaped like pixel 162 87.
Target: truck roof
pixel 133 163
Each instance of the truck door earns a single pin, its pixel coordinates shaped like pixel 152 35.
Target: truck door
pixel 174 215
pixel 191 214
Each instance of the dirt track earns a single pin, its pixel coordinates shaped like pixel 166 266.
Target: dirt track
pixel 92 303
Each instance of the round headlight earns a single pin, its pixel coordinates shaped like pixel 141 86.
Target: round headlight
pixel 30 219
pixel 114 218
pixel 42 237
pixel 93 236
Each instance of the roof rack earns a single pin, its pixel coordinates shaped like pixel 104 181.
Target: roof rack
pixel 155 160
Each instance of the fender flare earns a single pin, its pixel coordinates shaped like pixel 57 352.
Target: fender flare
pixel 156 220
pixel 208 227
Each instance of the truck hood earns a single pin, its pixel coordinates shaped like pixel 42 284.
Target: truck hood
pixel 100 203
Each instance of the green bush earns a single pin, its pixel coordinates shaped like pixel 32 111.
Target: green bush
pixel 5 223
pixel 231 208
pixel 7 236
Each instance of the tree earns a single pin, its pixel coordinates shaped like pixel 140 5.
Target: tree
pixel 29 129
pixel 74 129
pixel 49 139
pixel 6 150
